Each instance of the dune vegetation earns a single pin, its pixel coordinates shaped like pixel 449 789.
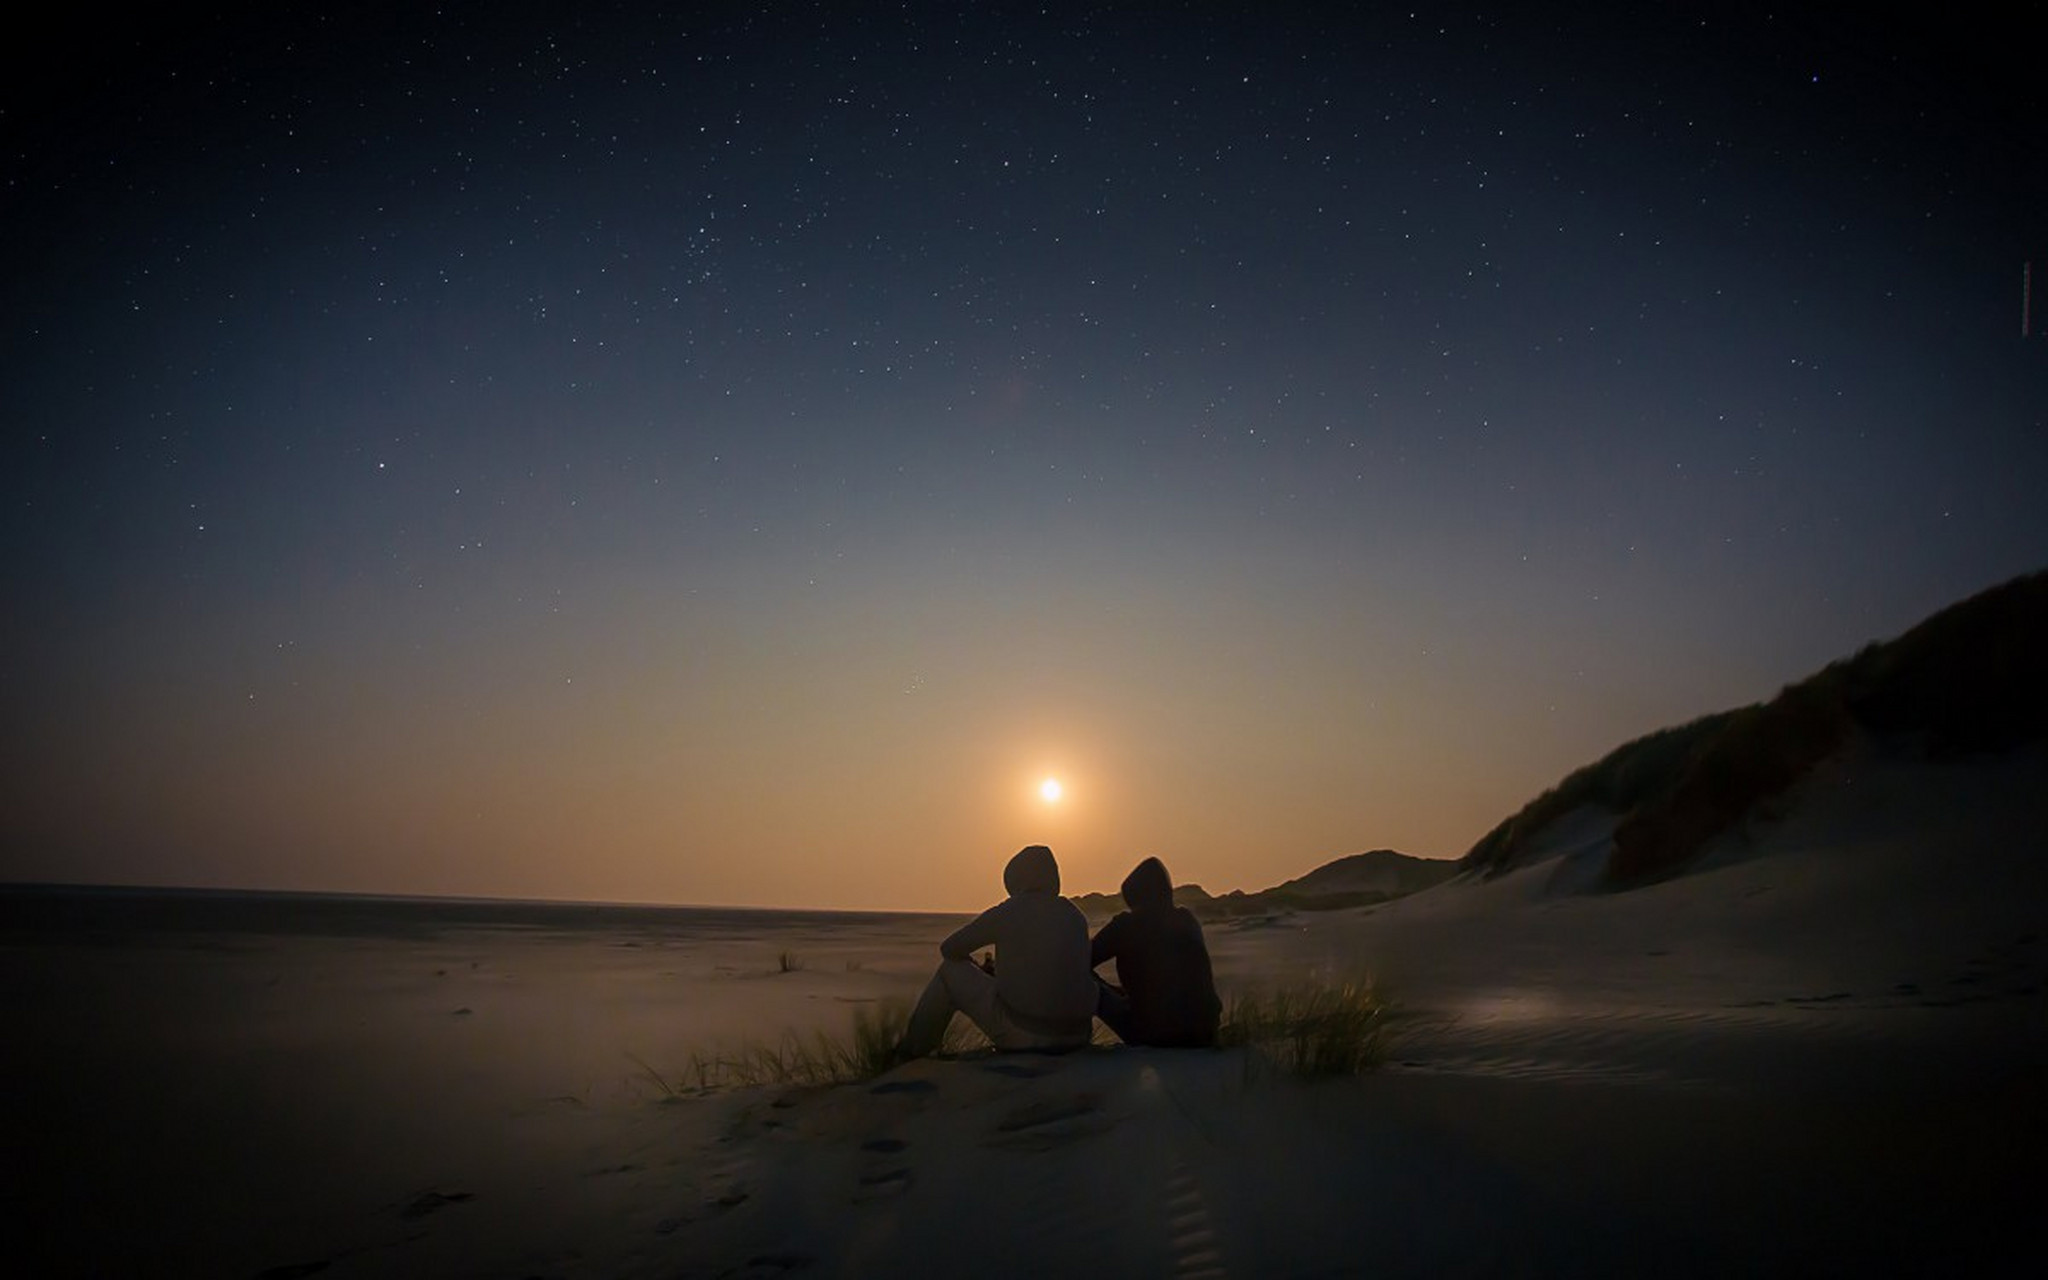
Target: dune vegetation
pixel 1971 678
pixel 1310 1029
pixel 865 1051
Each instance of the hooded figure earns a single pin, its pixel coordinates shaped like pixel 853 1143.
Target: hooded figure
pixel 1042 992
pixel 1168 995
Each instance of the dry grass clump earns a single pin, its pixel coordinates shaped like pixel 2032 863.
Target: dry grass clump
pixel 1310 1029
pixel 1973 677
pixel 1759 753
pixel 1628 776
pixel 867 1050
pixel 1970 678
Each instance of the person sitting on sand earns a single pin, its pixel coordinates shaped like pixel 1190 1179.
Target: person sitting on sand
pixel 1041 994
pixel 1168 992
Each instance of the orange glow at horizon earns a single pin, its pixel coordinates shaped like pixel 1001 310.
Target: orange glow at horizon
pixel 684 766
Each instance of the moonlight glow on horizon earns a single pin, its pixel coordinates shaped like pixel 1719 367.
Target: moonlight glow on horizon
pixel 718 454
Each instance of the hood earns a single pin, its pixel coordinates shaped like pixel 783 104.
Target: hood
pixel 1032 871
pixel 1148 885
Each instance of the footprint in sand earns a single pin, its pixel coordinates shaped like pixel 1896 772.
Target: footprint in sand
pixel 725 1181
pixel 882 1179
pixel 1048 1111
pixel 1017 1070
pixel 711 1208
pixel 427 1202
pixel 1191 1234
pixel 762 1266
pixel 1051 1122
pixel 882 1184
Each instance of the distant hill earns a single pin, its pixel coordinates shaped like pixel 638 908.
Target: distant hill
pixel 1972 678
pixel 1360 879
pixel 1380 871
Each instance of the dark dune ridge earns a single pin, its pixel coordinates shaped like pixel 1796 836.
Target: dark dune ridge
pixel 1970 679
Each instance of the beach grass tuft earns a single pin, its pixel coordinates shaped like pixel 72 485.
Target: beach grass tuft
pixel 1310 1029
pixel 866 1050
pixel 788 962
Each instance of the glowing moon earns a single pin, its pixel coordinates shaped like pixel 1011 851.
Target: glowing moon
pixel 1050 790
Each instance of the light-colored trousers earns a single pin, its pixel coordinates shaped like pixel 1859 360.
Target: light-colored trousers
pixel 960 986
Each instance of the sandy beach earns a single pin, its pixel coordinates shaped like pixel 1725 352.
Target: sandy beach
pixel 1823 1051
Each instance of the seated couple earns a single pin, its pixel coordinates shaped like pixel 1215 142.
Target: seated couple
pixel 1043 992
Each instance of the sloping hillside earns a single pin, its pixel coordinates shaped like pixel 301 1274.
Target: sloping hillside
pixel 1360 879
pixel 1972 678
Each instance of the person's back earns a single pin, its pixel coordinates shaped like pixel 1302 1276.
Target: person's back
pixel 1042 994
pixel 1040 941
pixel 1162 964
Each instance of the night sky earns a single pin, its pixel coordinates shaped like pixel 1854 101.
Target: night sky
pixel 733 456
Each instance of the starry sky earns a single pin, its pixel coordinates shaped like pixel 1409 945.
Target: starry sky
pixel 732 455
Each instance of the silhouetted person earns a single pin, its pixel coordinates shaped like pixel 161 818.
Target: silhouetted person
pixel 1041 994
pixel 1168 995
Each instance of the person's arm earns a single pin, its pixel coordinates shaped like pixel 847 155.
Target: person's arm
pixel 978 932
pixel 1205 974
pixel 1104 946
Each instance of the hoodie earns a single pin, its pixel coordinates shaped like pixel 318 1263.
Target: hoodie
pixel 1162 962
pixel 1043 977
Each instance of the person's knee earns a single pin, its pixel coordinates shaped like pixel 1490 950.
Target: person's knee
pixel 962 976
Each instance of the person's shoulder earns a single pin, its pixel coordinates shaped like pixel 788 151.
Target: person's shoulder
pixel 994 914
pixel 1038 907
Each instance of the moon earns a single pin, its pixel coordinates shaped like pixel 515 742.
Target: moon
pixel 1050 790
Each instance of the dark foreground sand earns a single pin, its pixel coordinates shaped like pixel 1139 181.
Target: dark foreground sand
pixel 1824 1053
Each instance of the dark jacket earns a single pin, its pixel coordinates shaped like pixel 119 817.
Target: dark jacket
pixel 1162 963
